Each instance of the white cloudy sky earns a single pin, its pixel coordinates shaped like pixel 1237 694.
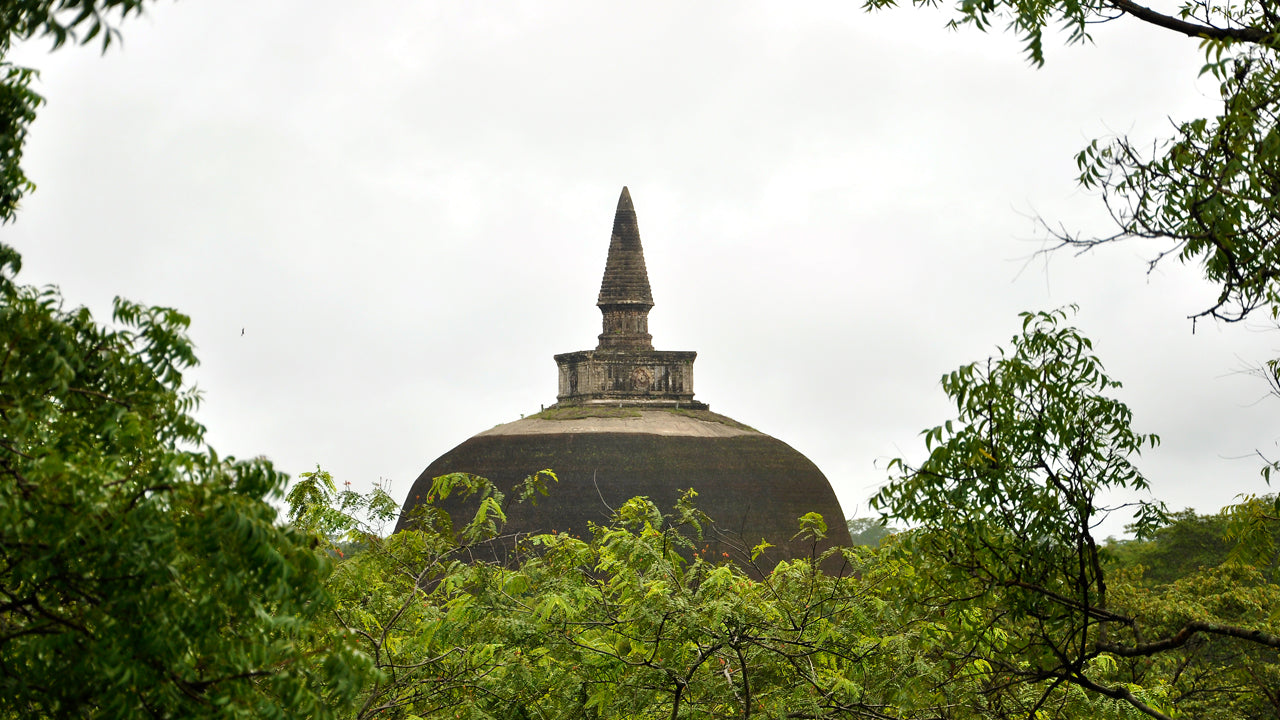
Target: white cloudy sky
pixel 406 207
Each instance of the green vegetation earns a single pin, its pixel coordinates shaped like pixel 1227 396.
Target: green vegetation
pixel 77 21
pixel 141 574
pixel 1188 544
pixel 616 626
pixel 1209 191
pixel 869 531
pixel 1003 511
pixel 144 575
pixel 708 416
pixel 583 412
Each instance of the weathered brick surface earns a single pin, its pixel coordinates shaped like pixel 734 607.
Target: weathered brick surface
pixel 753 486
pixel 626 282
pixel 624 368
pixel 653 378
pixel 629 425
pixel 625 298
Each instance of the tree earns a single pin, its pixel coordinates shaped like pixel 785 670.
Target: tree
pixel 141 574
pixel 869 531
pixel 1212 190
pixel 635 621
pixel 1188 544
pixel 60 21
pixel 1004 510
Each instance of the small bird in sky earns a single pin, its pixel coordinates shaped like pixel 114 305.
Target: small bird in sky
pixel 241 332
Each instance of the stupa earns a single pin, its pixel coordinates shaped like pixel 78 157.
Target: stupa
pixel 625 423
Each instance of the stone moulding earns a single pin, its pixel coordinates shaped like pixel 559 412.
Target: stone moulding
pixel 650 378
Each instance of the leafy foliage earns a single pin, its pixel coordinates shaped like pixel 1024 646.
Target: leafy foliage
pixel 869 531
pixel 625 625
pixel 18 104
pixel 628 623
pixel 1211 190
pixel 140 573
pixel 1189 543
pixel 61 21
pixel 1005 507
pixel 317 507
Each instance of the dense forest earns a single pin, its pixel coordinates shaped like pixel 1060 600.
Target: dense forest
pixel 142 574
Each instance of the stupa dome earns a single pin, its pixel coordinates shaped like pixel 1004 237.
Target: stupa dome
pixel 626 424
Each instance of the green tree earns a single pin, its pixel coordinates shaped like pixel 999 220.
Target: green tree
pixel 1189 543
pixel 141 574
pixel 1212 190
pixel 1196 568
pixel 632 622
pixel 1004 509
pixel 869 531
pixel 78 21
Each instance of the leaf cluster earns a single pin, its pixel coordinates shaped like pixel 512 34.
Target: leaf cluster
pixel 1004 510
pixel 140 573
pixel 61 21
pixel 628 623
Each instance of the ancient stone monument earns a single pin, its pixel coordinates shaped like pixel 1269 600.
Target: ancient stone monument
pixel 626 423
pixel 624 368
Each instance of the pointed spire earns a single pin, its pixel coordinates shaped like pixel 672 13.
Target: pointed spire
pixel 626 282
pixel 624 369
pixel 625 298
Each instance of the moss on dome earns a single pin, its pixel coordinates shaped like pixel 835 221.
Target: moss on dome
pixel 583 412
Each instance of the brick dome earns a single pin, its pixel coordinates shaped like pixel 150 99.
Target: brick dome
pixel 751 485
pixel 626 424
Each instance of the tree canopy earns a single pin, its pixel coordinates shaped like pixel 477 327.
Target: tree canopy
pixel 1004 509
pixel 1210 190
pixel 144 575
pixel 141 574
pixel 61 21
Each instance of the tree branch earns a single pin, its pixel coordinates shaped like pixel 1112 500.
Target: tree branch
pixel 1185 634
pixel 1190 29
pixel 1120 692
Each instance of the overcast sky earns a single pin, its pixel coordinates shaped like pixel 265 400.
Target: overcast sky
pixel 385 218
